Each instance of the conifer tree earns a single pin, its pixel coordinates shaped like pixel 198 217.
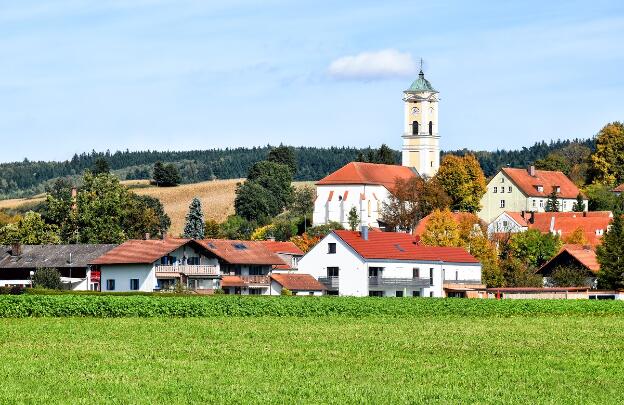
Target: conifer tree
pixel 552 204
pixel 579 205
pixel 354 218
pixel 195 225
pixel 610 255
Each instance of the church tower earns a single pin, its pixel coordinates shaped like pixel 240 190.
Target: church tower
pixel 421 141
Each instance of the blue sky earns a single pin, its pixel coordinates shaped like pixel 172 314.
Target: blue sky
pixel 177 75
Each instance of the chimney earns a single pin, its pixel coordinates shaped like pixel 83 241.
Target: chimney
pixel 364 232
pixel 584 213
pixel 16 249
pixel 531 171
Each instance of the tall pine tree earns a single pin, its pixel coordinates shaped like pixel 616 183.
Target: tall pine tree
pixel 610 255
pixel 579 205
pixel 552 204
pixel 195 226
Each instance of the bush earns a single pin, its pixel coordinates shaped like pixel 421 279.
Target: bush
pixel 286 292
pixel 47 278
pixel 165 305
pixel 12 290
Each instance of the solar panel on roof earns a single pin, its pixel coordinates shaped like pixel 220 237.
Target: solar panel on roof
pixel 212 245
pixel 239 246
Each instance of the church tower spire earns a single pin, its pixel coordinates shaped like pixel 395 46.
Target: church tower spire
pixel 421 141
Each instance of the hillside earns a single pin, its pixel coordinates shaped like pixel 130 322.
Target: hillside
pixel 217 199
pixel 26 178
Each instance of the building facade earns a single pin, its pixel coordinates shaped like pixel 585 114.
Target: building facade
pixel 390 264
pixel 527 190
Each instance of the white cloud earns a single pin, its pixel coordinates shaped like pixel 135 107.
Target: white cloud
pixel 383 64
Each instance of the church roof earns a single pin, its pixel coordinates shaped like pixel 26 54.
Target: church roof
pixel 368 173
pixel 421 84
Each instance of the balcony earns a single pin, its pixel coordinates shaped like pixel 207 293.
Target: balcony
pixel 330 283
pixel 470 282
pixel 399 282
pixel 189 270
pixel 256 280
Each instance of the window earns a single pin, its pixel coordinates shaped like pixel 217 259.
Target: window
pixel 369 207
pixel 558 189
pixel 415 272
pixel 541 203
pixel 256 270
pixel 295 260
pixel 456 275
pixel 502 203
pixel 505 224
pixel 416 293
pixel 430 127
pixel 168 260
pixel 502 179
pixel 534 203
pixel 193 261
pixel 502 189
pixel 431 294
pixel 257 291
pixel 375 293
pixel 374 271
pixel 509 189
pixel 399 293
pixel 415 128
pixel 495 189
pixel 332 271
pixel 540 188
pixel 110 285
pixel 134 284
pixel 564 204
pixel 331 248
pixel 431 276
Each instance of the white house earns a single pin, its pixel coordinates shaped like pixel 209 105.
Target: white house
pixel 366 263
pixel 519 190
pixel 364 186
pixel 238 267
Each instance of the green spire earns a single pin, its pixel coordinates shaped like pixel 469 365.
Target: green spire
pixel 421 84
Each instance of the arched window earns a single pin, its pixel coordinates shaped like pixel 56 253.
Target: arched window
pixel 415 128
pixel 430 127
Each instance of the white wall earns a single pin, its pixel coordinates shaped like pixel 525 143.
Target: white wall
pixel 338 210
pixel 122 273
pixel 498 225
pixel 353 273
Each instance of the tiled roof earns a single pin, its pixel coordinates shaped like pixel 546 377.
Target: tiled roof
pixel 298 282
pixel 282 247
pixel 401 246
pixel 566 223
pixel 585 255
pixel 241 251
pixel 368 173
pixel 547 179
pixel 619 189
pixel 148 251
pixel 232 281
pixel 138 251
pixel 56 256
pixel 517 216
pixel 422 224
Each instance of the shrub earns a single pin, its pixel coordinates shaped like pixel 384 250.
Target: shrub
pixel 286 292
pixel 47 278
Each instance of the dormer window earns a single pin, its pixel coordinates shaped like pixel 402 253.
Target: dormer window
pixel 540 188
pixel 557 189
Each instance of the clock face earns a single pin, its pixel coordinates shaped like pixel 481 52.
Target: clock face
pixel 415 110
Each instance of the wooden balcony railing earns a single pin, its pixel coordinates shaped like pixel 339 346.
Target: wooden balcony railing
pixel 189 270
pixel 256 280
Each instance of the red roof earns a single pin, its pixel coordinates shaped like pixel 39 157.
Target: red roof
pixel 401 246
pixel 547 179
pixel 148 251
pixel 619 189
pixel 422 224
pixel 140 251
pixel 298 282
pixel 241 251
pixel 585 255
pixel 283 247
pixel 368 173
pixel 567 222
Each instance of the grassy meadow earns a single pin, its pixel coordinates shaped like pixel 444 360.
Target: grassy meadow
pixel 444 359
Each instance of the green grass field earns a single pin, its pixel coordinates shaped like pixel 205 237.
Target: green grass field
pixel 332 359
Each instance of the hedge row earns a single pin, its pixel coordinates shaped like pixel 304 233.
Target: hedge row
pixel 201 306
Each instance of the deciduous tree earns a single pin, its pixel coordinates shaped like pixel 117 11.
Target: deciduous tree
pixel 441 230
pixel 284 155
pixel 353 219
pixel 463 180
pixel 607 162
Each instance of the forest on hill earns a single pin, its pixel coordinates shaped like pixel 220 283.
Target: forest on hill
pixel 27 178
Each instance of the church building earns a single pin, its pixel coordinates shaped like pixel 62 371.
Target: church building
pixel 367 185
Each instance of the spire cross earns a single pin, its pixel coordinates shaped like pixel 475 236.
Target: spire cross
pixel 421 64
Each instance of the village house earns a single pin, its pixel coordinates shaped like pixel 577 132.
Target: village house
pixel 594 224
pixel 297 284
pixel 391 264
pixel 582 258
pixel 618 190
pixel 519 190
pixel 288 252
pixel 201 265
pixel 18 263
